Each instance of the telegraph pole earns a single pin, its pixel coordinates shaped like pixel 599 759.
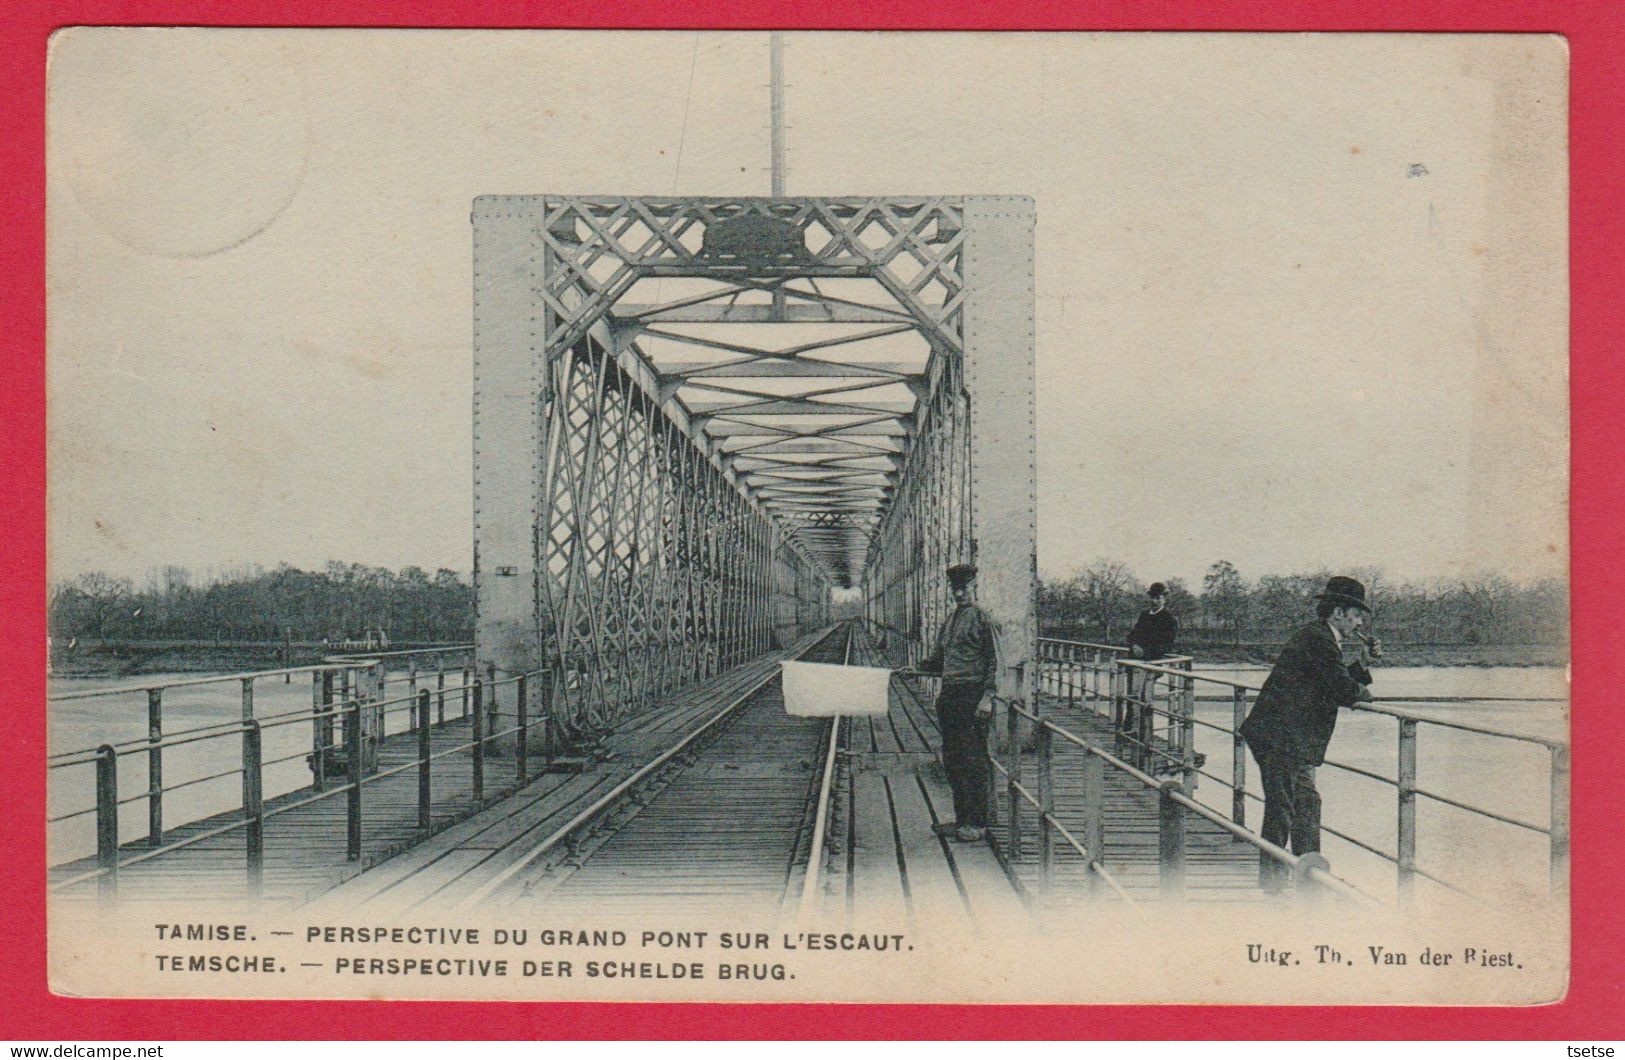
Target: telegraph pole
pixel 776 61
pixel 776 64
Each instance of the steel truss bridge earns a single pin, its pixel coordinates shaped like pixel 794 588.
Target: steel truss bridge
pixel 698 424
pixel 698 418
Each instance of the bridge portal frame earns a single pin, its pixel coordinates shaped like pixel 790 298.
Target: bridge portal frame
pixel 615 544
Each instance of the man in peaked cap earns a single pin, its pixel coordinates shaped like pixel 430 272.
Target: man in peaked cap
pixel 966 658
pixel 1291 723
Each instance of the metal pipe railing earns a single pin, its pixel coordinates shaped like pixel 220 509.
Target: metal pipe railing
pixel 408 653
pixel 1174 804
pixel 1104 664
pixel 353 713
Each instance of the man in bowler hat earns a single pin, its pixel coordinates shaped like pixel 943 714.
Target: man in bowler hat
pixel 1151 638
pixel 1291 722
pixel 966 658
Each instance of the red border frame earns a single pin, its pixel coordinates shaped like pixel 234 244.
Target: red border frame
pixel 1597 226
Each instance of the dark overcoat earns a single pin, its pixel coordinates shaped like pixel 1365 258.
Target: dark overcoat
pixel 1297 708
pixel 1155 633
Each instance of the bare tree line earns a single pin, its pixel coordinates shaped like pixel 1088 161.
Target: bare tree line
pixel 1100 602
pixel 255 604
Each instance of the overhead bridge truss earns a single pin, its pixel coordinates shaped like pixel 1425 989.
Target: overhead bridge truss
pixel 696 418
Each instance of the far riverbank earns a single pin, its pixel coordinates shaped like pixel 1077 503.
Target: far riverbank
pixel 136 658
pixel 1395 653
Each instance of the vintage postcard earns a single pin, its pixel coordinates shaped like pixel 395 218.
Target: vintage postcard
pixel 844 517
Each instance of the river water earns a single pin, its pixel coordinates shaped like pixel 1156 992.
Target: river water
pixel 1488 858
pixel 79 724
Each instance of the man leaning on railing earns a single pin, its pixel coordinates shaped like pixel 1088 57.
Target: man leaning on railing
pixel 1291 722
pixel 1151 638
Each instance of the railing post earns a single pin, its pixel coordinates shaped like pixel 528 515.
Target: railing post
pixel 1119 681
pixel 352 739
pixel 380 693
pixel 1170 841
pixel 465 691
pixel 1140 694
pixel 478 738
pixel 1094 818
pixel 493 719
pixel 1238 757
pixel 107 822
pixel 318 767
pixel 425 820
pixel 412 687
pixel 1043 746
pixel 254 807
pixel 155 766
pixel 248 699
pixel 545 715
pixel 1407 810
pixel 1560 823
pixel 440 694
pixel 1304 885
pixel 1187 733
pixel 522 752
pixel 1013 753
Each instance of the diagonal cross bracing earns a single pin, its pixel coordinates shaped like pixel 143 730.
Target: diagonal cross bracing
pixel 904 250
pixel 740 399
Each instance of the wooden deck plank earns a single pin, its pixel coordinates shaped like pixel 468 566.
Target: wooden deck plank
pixel 305 845
pixel 935 893
pixel 1217 867
pixel 991 895
pixel 877 882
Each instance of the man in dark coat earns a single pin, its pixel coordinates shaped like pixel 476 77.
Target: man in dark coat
pixel 966 658
pixel 1292 720
pixel 1151 638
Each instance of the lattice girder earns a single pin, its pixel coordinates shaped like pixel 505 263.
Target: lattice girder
pixel 695 491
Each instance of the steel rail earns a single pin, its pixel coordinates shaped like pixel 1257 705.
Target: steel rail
pixel 815 853
pixel 613 797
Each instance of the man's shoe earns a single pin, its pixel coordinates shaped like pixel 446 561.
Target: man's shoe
pixel 970 833
pixel 947 828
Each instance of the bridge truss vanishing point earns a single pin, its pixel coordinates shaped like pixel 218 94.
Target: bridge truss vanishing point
pixel 696 417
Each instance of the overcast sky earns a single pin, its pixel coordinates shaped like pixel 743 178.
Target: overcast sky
pixel 1301 299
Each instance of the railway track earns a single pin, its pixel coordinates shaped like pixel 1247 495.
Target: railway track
pixel 733 818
